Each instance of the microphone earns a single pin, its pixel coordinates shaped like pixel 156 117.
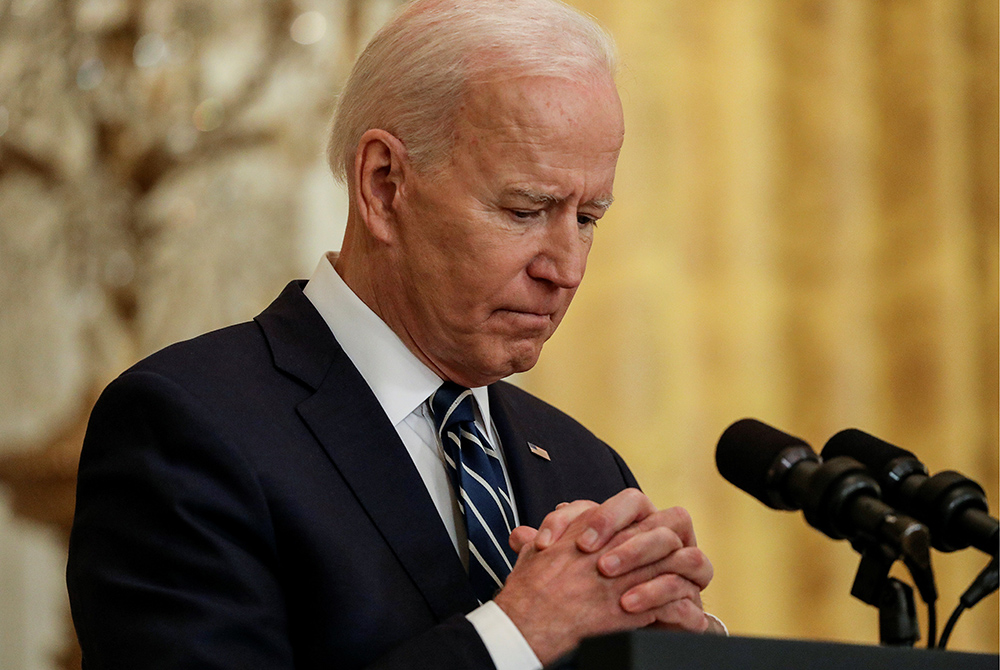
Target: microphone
pixel 951 504
pixel 838 496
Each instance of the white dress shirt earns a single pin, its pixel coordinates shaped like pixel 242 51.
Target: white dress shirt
pixel 402 384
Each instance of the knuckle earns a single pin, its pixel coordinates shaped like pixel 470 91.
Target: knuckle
pixel 638 501
pixel 670 584
pixel 690 613
pixel 601 519
pixel 653 545
pixel 664 588
pixel 683 612
pixel 683 525
pixel 566 512
pixel 691 559
pixel 666 538
pixel 550 522
pixel 706 567
pixel 681 587
pixel 699 567
pixel 633 494
pixel 681 516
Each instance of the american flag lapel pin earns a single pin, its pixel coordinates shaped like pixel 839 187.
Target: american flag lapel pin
pixel 538 451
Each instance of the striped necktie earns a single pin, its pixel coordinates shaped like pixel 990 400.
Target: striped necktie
pixel 477 476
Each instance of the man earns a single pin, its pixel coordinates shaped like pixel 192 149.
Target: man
pixel 297 492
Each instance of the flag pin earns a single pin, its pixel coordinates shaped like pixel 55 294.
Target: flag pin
pixel 538 451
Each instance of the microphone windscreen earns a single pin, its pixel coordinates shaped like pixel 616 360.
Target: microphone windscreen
pixel 870 451
pixel 746 453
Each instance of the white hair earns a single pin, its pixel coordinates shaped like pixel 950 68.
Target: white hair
pixel 412 75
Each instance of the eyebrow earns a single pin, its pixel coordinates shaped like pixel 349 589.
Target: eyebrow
pixel 541 198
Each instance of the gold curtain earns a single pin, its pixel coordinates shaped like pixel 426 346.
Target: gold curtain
pixel 805 232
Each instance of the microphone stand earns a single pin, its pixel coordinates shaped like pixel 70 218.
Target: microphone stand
pixel 882 536
pixel 873 586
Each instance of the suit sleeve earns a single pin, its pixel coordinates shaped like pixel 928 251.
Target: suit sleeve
pixel 173 558
pixel 630 480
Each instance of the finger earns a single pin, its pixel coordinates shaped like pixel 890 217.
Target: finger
pixel 676 519
pixel 555 523
pixel 642 549
pixel 683 615
pixel 613 515
pixel 521 536
pixel 658 593
pixel 687 562
pixel 692 564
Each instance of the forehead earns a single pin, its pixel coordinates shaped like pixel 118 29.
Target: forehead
pixel 550 113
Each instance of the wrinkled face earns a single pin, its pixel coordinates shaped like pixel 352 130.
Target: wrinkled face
pixel 492 248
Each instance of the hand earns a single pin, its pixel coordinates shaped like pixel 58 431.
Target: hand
pixel 668 592
pixel 593 569
pixel 612 520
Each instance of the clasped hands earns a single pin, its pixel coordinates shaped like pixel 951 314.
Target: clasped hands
pixel 591 569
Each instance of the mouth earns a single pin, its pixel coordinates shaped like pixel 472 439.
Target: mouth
pixel 526 319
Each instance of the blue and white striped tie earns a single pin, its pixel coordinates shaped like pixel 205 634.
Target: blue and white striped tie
pixel 477 475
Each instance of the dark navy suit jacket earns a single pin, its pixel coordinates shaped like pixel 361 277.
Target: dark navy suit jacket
pixel 244 502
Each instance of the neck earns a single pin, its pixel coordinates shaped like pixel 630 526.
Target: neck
pixel 371 281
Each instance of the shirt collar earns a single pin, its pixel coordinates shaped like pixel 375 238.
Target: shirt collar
pixel 399 380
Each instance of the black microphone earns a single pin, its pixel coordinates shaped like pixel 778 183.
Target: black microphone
pixel 951 504
pixel 838 497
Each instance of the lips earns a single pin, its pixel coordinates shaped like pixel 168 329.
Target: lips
pixel 524 320
pixel 545 308
pixel 529 311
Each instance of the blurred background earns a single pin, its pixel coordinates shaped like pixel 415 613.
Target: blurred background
pixel 805 231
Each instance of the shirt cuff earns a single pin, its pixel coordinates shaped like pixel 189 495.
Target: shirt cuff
pixel 725 631
pixel 504 642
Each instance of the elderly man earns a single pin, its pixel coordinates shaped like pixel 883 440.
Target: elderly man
pixel 345 482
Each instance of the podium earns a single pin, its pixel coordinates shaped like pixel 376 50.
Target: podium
pixel 661 650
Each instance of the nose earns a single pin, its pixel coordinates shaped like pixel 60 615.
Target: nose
pixel 562 257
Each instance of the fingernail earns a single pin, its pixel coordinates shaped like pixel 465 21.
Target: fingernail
pixel 588 539
pixel 630 602
pixel 544 538
pixel 610 564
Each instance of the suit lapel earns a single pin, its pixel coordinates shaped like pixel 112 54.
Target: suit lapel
pixel 352 428
pixel 536 482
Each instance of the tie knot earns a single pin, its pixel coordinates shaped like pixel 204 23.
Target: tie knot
pixel 452 404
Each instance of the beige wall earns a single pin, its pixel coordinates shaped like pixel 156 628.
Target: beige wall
pixel 805 231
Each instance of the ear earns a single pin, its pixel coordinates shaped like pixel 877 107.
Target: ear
pixel 378 176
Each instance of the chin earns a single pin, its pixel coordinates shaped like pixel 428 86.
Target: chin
pixel 489 364
pixel 523 361
pixel 487 372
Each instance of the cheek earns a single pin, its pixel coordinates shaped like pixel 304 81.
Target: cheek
pixel 490 270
